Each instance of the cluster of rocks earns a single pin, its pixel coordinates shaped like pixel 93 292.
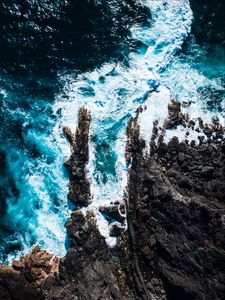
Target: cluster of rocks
pixel 116 214
pixel 26 277
pixel 210 131
pixel 175 116
pixel 79 188
pixel 176 213
pixel 88 270
pixel 174 247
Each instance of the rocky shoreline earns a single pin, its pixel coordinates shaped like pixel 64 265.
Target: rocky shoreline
pixel 176 212
pixel 174 245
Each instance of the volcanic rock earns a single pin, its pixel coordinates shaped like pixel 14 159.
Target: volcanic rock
pixel 79 189
pixel 87 271
pixel 174 248
pixel 115 212
pixel 26 277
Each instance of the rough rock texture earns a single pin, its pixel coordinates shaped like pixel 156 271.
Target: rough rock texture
pixel 79 189
pixel 174 248
pixel 87 271
pixel 115 212
pixel 176 216
pixel 25 278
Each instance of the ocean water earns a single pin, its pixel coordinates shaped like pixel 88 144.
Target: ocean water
pixel 167 62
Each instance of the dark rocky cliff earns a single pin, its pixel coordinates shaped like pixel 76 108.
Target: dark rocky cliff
pixel 176 216
pixel 174 247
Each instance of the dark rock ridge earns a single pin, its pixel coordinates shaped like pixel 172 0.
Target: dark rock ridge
pixel 176 214
pixel 79 188
pixel 174 247
pixel 87 271
pixel 116 211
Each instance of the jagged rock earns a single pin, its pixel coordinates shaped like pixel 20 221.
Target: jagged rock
pixel 79 189
pixel 26 277
pixel 115 212
pixel 116 230
pixel 181 157
pixel 87 271
pixel 184 218
pixel 175 117
pixel 207 171
pixel 175 246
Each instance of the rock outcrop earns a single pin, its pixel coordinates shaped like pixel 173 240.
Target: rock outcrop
pixel 176 216
pixel 79 189
pixel 87 271
pixel 174 247
pixel 26 277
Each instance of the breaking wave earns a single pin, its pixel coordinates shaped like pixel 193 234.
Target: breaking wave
pixel 156 70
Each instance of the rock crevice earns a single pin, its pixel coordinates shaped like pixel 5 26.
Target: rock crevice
pixel 174 247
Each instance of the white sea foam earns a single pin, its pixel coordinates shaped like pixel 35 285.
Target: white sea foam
pixel 185 82
pixel 114 92
pixel 35 215
pixel 156 110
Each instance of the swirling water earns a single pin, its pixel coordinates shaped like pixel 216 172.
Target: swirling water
pixel 36 207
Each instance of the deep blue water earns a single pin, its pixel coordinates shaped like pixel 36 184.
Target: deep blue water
pixel 168 49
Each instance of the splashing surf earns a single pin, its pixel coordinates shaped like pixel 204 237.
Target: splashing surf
pixel 114 92
pixel 155 72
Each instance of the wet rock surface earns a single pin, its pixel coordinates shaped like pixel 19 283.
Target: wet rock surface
pixel 116 212
pixel 25 278
pixel 79 188
pixel 175 215
pixel 174 246
pixel 87 271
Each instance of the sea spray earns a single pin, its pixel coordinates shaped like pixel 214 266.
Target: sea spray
pixel 154 73
pixel 114 92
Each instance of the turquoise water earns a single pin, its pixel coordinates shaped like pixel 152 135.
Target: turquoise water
pixel 167 64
